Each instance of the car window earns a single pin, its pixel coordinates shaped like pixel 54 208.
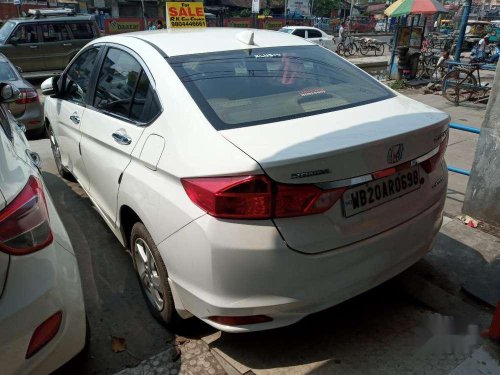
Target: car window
pixel 281 82
pixel 6 30
pixel 314 34
pixel 55 32
pixel 4 122
pixel 79 72
pixel 7 73
pixel 117 82
pixel 25 33
pixel 144 105
pixel 81 30
pixel 300 32
pixel 286 30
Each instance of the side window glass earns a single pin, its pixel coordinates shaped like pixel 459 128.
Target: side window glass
pixel 5 124
pixel 55 32
pixel 80 72
pixel 25 34
pixel 300 32
pixel 314 34
pixel 117 83
pixel 81 30
pixel 144 105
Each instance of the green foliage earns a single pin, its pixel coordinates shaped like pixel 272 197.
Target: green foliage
pixel 246 13
pixel 397 85
pixel 266 12
pixel 323 8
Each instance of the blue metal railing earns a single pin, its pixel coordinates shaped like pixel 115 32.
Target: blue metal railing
pixel 465 128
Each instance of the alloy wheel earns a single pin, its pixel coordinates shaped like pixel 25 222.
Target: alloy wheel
pixel 148 273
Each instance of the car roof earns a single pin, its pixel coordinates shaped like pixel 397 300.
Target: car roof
pixel 300 27
pixel 178 42
pixel 80 17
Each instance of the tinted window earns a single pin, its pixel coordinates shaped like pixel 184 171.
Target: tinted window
pixel 117 82
pixel 4 123
pixel 144 105
pixel 25 34
pixel 6 30
pixel 54 32
pixel 81 30
pixel 7 73
pixel 300 32
pixel 242 88
pixel 80 72
pixel 314 34
pixel 285 30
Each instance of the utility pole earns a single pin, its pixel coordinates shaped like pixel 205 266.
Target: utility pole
pixel 463 26
pixel 350 16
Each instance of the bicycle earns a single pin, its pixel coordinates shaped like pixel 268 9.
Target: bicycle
pixel 459 84
pixel 367 45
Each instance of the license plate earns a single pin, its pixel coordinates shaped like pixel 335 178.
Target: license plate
pixel 375 193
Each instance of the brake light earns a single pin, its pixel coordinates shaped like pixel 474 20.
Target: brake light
pixel 257 197
pixel 27 96
pixel 44 333
pixel 430 164
pixel 24 223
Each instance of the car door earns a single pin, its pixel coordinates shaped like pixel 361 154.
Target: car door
pixel 123 103
pixel 57 46
pixel 71 111
pixel 22 48
pixel 314 36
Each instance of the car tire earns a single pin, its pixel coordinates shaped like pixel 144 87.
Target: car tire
pixel 63 172
pixel 152 275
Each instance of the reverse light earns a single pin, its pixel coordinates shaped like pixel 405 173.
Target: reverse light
pixel 257 197
pixel 44 333
pixel 430 164
pixel 27 96
pixel 24 223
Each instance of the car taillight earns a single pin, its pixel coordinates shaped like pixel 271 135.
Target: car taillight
pixel 24 223
pixel 27 96
pixel 257 197
pixel 430 164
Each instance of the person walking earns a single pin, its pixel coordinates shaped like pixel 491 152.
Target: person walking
pixel 341 32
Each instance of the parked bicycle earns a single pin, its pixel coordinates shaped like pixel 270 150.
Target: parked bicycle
pixel 460 84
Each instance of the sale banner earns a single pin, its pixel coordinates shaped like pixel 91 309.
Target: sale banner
pixel 183 15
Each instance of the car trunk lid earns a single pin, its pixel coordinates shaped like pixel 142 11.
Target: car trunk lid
pixel 340 148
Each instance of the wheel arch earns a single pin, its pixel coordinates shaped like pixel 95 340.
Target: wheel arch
pixel 128 217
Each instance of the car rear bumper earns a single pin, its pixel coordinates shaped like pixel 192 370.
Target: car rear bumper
pixel 38 286
pixel 228 268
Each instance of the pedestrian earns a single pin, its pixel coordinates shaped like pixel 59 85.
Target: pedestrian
pixel 481 48
pixel 341 32
pixel 493 59
pixel 151 26
pixel 435 26
pixel 159 25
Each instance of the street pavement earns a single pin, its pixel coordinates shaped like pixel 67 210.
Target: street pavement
pixel 422 321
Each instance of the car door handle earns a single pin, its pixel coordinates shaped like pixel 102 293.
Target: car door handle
pixel 121 138
pixel 67 44
pixel 75 118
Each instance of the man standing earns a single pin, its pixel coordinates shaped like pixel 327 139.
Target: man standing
pixel 341 33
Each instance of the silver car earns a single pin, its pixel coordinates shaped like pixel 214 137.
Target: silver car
pixel 27 109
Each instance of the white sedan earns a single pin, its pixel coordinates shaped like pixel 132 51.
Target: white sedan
pixel 312 34
pixel 255 177
pixel 42 315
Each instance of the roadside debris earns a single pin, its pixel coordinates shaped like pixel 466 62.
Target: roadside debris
pixel 467 220
pixel 118 344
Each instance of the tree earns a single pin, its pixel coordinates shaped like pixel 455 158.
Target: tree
pixel 323 8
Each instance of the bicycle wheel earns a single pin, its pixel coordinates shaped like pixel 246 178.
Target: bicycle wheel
pixel 459 85
pixel 379 49
pixel 363 48
pixel 342 50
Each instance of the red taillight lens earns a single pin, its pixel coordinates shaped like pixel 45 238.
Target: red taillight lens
pixel 44 333
pixel 430 164
pixel 24 223
pixel 27 96
pixel 240 320
pixel 257 197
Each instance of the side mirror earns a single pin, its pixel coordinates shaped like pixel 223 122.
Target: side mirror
pixel 49 86
pixel 19 69
pixel 8 93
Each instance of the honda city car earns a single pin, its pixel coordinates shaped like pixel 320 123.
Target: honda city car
pixel 256 177
pixel 42 315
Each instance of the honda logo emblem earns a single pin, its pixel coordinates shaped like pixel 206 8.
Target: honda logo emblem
pixel 395 153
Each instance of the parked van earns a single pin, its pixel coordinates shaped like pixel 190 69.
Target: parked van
pixel 46 40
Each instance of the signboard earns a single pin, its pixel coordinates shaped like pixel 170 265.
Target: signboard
pixel 122 25
pixel 99 4
pixel 183 15
pixel 17 2
pixel 255 6
pixel 298 8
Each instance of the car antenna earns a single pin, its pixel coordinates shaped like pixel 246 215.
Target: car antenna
pixel 246 37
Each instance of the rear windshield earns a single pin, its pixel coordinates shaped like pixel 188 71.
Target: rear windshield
pixel 6 30
pixel 250 87
pixel 6 72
